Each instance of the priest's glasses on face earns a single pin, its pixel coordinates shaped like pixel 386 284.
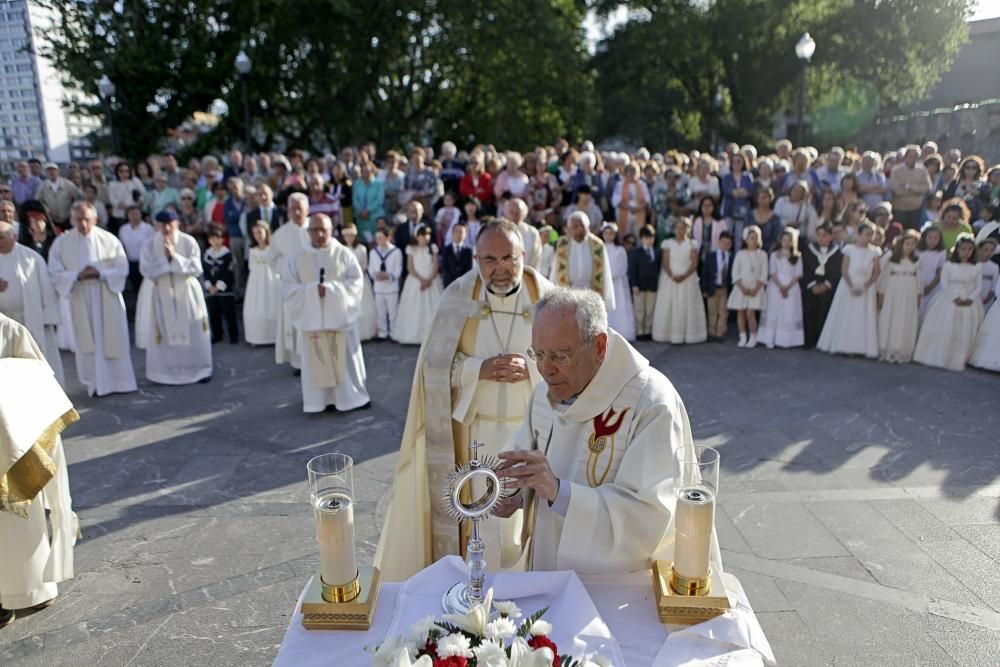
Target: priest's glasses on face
pixel 557 358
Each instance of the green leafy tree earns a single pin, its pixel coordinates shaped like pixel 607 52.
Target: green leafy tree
pixel 900 48
pixel 330 72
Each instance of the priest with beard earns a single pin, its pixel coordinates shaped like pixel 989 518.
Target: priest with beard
pixel 27 296
pixel 323 285
pixel 821 264
pixel 473 382
pixel 594 458
pixel 180 347
pixel 581 260
pixel 89 268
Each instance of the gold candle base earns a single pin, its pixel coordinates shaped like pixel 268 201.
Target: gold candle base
pixel 353 613
pixel 344 593
pixel 706 599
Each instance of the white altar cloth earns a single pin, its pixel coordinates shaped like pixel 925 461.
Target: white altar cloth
pixel 627 621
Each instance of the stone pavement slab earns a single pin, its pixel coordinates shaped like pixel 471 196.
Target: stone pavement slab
pixel 859 506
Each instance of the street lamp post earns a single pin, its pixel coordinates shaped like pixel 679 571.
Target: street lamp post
pixel 804 50
pixel 716 121
pixel 243 66
pixel 106 89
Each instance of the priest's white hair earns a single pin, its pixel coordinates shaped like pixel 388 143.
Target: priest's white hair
pixel 587 305
pixel 299 197
pixel 581 216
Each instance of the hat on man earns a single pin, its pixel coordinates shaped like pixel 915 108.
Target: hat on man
pixel 52 165
pixel 166 216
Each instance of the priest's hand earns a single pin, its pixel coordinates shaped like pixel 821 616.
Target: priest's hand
pixel 530 470
pixel 504 368
pixel 321 290
pixel 88 273
pixel 505 508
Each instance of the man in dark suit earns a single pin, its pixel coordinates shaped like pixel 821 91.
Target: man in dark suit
pixel 716 278
pixel 643 277
pixel 456 259
pixel 266 210
pixel 406 231
pixel 821 264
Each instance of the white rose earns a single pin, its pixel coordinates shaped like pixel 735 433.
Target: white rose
pixel 540 628
pixel 509 609
pixel 502 628
pixel 420 630
pixel 490 654
pixel 454 645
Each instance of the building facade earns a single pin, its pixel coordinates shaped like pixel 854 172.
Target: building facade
pixel 34 122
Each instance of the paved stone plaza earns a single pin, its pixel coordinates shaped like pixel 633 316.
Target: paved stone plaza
pixel 860 507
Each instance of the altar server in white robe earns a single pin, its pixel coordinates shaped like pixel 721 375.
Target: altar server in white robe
pixel 581 260
pixel 89 267
pixel 26 295
pixel 323 286
pixel 179 349
pixel 35 554
pixel 594 457
pixel 290 239
pixel 473 382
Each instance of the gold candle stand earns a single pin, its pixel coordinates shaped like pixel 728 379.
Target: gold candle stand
pixel 687 601
pixel 349 607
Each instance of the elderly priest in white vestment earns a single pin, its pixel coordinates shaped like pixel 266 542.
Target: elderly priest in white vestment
pixel 324 285
pixel 288 241
pixel 594 456
pixel 33 412
pixel 473 381
pixel 27 296
pixel 89 268
pixel 180 347
pixel 582 261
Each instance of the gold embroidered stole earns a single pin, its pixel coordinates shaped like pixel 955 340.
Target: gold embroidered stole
pixel 83 328
pixel 597 262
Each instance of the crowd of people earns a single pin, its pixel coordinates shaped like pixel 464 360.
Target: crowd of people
pixel 887 256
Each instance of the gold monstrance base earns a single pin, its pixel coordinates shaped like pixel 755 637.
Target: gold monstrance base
pixel 706 599
pixel 354 614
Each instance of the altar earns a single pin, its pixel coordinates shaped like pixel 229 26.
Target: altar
pixel 612 615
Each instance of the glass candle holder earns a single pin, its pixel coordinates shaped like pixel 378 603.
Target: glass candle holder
pixel 697 486
pixel 331 493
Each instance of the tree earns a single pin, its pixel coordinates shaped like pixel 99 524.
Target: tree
pixel 746 47
pixel 166 59
pixel 330 72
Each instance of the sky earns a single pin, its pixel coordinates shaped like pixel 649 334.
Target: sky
pixel 985 9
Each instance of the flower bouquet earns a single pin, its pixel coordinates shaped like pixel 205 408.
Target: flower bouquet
pixel 489 635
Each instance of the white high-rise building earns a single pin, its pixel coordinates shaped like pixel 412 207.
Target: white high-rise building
pixel 33 120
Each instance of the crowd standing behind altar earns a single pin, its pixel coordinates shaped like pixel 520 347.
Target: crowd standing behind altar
pixel 892 257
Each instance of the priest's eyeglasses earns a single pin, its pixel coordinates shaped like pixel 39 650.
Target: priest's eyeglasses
pixel 557 358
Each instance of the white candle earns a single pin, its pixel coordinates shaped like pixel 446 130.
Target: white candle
pixel 335 534
pixel 694 520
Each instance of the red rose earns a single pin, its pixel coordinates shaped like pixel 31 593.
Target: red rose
pixel 451 661
pixel 544 642
pixel 430 648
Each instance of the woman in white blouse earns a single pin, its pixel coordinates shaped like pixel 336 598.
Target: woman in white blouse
pixel 123 192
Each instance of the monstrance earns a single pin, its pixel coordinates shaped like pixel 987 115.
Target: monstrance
pixel 481 472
